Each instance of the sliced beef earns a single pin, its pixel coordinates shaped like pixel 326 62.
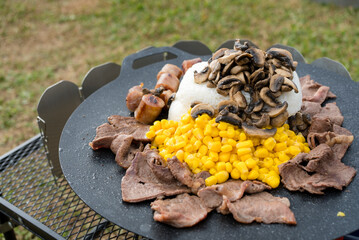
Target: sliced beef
pixel 331 111
pixel 323 130
pixel 180 212
pixel 261 207
pixel 313 91
pixel 183 174
pixel 125 150
pixel 124 136
pixel 315 171
pixel 141 183
pixel 158 166
pixel 130 126
pixel 310 108
pixel 212 196
pixel 105 134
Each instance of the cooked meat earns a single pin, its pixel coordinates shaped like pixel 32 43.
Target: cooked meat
pixel 168 81
pixel 158 166
pixel 134 97
pixel 183 174
pixel 232 189
pixel 180 212
pixel 125 149
pixel 186 64
pixel 170 68
pixel 331 111
pixel 141 183
pixel 310 108
pixel 105 134
pixel 316 171
pixel 313 91
pixel 261 207
pixel 129 126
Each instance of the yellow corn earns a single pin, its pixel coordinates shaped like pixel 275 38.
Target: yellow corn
pixel 224 150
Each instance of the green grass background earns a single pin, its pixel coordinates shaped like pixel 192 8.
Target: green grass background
pixel 45 41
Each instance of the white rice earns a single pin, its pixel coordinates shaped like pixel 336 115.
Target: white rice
pixel 189 91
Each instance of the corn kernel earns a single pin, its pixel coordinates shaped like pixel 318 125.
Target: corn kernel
pixel 214 146
pixel 214 132
pixel 233 157
pixel 211 181
pixel 229 167
pixel 280 146
pixel 179 145
pixel 242 137
pixel 220 166
pixel 269 143
pixel 213 156
pixel 198 133
pixel 226 148
pixel 209 164
pixel 207 130
pixel 273 181
pixel 189 148
pixel 180 155
pixel 251 163
pixel 306 149
pixel 207 139
pixel 222 134
pixel 283 157
pixel 243 151
pixel 230 132
pixel 222 126
pixel 294 150
pixel 203 149
pixel 197 145
pixel 235 174
pixel 212 171
pixel 244 144
pixel 261 153
pixel 222 176
pixel 150 134
pixel 224 156
pixel 243 158
pixel 253 174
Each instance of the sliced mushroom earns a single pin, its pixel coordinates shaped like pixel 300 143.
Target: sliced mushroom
pixel 264 121
pixel 258 56
pixel 230 105
pixel 214 67
pixel 279 120
pixel 195 103
pixel 256 76
pixel 239 98
pixel 239 46
pixel 202 76
pixel 275 111
pixel 291 84
pixel 283 55
pixel 243 59
pixel 210 84
pixel 229 118
pixel 276 83
pixel 268 97
pixel 219 53
pixel 202 108
pixel 284 72
pixel 228 58
pixel 253 131
pixel 226 68
pixel 229 81
pixel 237 69
pixel 258 105
pixel 261 83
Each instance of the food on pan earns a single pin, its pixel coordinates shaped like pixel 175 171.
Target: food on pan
pixel 238 125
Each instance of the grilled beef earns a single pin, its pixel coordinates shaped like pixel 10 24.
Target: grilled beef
pixel 141 183
pixel 183 174
pixel 261 207
pixel 181 211
pixel 313 91
pixel 315 171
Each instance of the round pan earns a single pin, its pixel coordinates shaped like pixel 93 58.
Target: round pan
pixel 96 178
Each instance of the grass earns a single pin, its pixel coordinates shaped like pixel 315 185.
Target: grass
pixel 44 41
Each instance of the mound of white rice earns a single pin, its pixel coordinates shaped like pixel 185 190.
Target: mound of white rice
pixel 189 91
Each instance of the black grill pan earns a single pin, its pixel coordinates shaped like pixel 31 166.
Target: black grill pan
pixel 96 178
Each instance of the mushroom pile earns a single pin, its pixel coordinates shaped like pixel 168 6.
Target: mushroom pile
pixel 248 71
